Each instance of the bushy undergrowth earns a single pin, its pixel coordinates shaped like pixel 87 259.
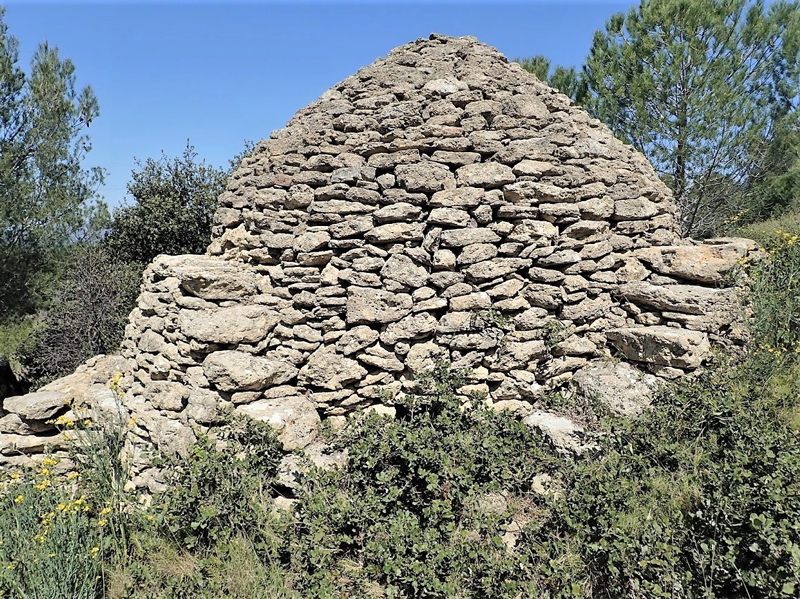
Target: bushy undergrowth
pixel 421 509
pixel 700 497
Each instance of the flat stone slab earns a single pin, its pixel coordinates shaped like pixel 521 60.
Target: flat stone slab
pixel 208 277
pixel 241 371
pixel 707 263
pixel 229 326
pixel 39 405
pixel 565 435
pixel 664 346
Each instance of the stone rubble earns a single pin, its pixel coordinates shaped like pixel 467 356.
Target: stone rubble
pixel 439 205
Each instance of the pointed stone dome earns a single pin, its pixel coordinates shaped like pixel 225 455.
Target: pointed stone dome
pixel 440 123
pixel 440 205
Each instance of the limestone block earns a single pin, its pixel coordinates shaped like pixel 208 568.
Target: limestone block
pixel 229 326
pixel 707 263
pixel 565 435
pixel 496 267
pixel 488 175
pixel 396 233
pixel 355 339
pixel 622 388
pixel 427 177
pixel 366 305
pixel 413 326
pixel 663 346
pixel 462 197
pixel 449 217
pixel 424 356
pixel 11 444
pixel 39 405
pixel 520 354
pixel 717 306
pixel 328 369
pixel 476 252
pixel 404 270
pixel 637 209
pixel 208 277
pixel 240 371
pixel 295 418
pixel 462 237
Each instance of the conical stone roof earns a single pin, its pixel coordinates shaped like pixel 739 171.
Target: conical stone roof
pixel 440 205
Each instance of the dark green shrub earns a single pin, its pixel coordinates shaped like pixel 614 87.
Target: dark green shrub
pixel 223 488
pixel 405 516
pixel 700 497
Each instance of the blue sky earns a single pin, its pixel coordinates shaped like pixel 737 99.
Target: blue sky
pixel 225 72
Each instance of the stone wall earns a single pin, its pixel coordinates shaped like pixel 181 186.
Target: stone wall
pixel 439 205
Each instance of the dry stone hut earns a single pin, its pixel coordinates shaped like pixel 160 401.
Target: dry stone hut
pixel 439 205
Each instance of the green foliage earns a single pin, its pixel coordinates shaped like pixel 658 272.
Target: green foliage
pixel 218 492
pixel 700 497
pixel 51 542
pixel 98 452
pixel 231 569
pixel 16 335
pixel 775 189
pixel 406 514
pixel 173 209
pixel 697 86
pixel 555 332
pixel 567 80
pixel 87 316
pixel 44 190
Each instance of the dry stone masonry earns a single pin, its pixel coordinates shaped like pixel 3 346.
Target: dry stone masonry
pixel 439 205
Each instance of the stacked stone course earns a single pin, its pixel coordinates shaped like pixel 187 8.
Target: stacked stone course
pixel 439 205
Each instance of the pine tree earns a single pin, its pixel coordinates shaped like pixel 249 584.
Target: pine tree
pixel 698 86
pixel 45 193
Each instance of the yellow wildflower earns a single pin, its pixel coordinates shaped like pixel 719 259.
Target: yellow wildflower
pixel 95 550
pixel 19 499
pixel 80 501
pixel 49 462
pixel 105 510
pixel 102 522
pixel 72 475
pixel 15 475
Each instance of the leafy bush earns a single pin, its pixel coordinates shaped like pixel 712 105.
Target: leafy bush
pixel 775 291
pixel 224 487
pixel 408 515
pixel 173 209
pixel 700 497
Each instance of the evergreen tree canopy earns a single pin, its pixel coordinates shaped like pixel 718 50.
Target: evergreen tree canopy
pixel 707 90
pixel 45 193
pixel 697 85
